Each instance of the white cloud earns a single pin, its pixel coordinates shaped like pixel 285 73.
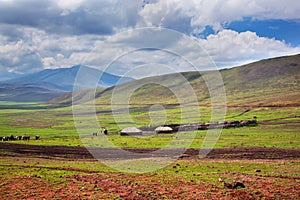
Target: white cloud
pixel 232 47
pixel 35 50
pixel 201 13
pixel 106 17
pixel 38 50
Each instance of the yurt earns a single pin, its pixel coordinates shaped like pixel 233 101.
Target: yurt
pixel 163 129
pixel 131 131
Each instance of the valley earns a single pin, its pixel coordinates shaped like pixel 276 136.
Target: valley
pixel 61 164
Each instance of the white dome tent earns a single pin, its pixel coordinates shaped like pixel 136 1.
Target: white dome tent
pixel 131 131
pixel 163 129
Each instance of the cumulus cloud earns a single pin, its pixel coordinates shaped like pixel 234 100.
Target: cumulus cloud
pixel 131 49
pixel 201 13
pixel 18 57
pixel 140 47
pixel 35 50
pixel 106 17
pixel 228 47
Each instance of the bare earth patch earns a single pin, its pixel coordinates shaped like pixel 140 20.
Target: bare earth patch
pixel 111 153
pixel 145 186
pixel 85 183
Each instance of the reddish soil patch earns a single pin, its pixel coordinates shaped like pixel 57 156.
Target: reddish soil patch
pixel 8 149
pixel 95 185
pixel 145 186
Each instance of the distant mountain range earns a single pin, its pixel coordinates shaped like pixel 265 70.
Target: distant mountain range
pixel 4 76
pixel 47 84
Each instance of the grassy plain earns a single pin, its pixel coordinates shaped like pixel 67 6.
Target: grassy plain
pixel 34 177
pixel 278 126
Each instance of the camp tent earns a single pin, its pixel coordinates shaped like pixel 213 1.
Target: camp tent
pixel 131 131
pixel 163 129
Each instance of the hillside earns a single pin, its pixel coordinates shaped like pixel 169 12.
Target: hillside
pixel 28 93
pixel 4 76
pixel 50 83
pixel 266 82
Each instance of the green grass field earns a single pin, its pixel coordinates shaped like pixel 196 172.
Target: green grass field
pixel 59 178
pixel 278 127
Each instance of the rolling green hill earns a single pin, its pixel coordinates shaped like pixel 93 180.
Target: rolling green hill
pixel 271 82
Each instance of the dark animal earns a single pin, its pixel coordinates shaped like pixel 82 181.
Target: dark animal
pixel 1 138
pixel 11 138
pixel 105 131
pixel 238 184
pixel 25 137
pixel 95 134
pixel 228 185
pixel 5 138
pixel 37 137
pixel 235 185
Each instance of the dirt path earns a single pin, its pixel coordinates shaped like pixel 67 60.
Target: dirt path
pixel 8 149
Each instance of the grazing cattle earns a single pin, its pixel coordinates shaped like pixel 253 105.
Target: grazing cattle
pixel 25 137
pixel 5 138
pixel 37 137
pixel 95 134
pixel 1 138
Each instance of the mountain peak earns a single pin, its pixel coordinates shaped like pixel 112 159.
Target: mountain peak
pixel 64 78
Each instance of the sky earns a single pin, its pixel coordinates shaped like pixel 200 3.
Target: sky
pixel 144 37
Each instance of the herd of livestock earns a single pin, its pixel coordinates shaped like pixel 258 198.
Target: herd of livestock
pixel 13 138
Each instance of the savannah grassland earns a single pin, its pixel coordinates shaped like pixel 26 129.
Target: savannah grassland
pixel 40 177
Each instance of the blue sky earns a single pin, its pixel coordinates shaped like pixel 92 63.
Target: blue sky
pixel 37 35
pixel 283 30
